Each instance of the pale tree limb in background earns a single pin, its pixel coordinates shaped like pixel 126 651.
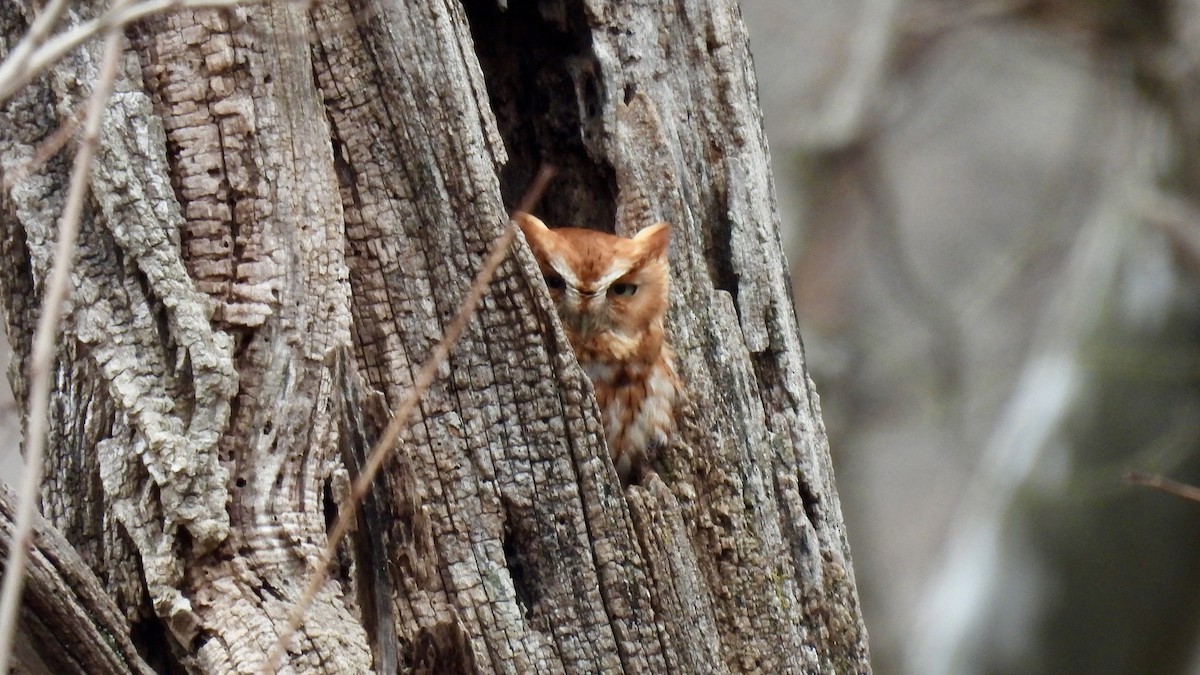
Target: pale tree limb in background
pixel 847 112
pixel 44 342
pixel 951 624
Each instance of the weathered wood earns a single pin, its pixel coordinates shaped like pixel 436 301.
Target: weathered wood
pixel 69 624
pixel 665 116
pixel 324 185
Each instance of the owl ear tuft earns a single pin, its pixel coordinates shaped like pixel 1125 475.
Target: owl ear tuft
pixel 529 223
pixel 537 235
pixel 654 240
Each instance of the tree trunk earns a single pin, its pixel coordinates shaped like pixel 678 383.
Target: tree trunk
pixel 288 207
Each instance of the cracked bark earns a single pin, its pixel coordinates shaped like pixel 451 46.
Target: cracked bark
pixel 289 206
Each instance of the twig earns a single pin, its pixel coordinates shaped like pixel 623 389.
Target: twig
pixel 17 60
pixel 1156 482
pixel 46 149
pixel 44 343
pixel 387 442
pixel 36 56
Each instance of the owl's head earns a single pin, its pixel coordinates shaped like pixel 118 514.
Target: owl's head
pixel 604 286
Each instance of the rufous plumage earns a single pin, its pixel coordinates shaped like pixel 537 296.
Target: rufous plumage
pixel 612 294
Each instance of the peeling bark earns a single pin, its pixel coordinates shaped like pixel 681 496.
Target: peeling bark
pixel 289 207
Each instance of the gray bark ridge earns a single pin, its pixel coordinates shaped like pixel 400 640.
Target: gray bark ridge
pixel 137 315
pixel 264 238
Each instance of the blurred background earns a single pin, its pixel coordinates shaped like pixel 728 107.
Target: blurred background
pixel 992 213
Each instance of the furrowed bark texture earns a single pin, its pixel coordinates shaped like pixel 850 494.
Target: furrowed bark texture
pixel 289 207
pixel 69 624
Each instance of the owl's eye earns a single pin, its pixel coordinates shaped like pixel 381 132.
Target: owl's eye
pixel 555 282
pixel 624 290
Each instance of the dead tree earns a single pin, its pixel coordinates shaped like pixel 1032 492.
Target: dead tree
pixel 287 208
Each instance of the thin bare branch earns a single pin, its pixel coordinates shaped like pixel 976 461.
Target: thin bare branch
pixel 18 59
pixel 44 343
pixel 46 149
pixel 21 67
pixel 1156 482
pixel 386 445
pixel 537 188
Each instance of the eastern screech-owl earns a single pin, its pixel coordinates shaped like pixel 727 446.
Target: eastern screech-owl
pixel 611 295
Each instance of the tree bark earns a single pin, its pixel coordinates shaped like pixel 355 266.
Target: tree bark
pixel 69 624
pixel 288 207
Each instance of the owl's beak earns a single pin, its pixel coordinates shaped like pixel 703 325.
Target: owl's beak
pixel 586 308
pixel 593 303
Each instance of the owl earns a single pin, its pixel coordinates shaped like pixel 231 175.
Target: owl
pixel 611 295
